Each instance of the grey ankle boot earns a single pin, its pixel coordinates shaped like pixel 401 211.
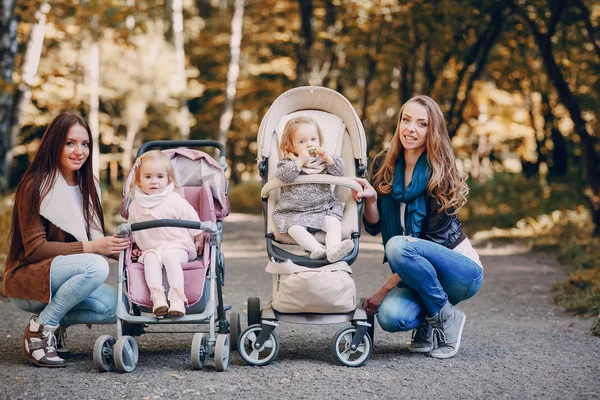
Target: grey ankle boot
pixel 421 339
pixel 447 327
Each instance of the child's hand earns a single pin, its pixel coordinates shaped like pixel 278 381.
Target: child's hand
pixel 302 158
pixel 199 244
pixel 321 152
pixel 136 252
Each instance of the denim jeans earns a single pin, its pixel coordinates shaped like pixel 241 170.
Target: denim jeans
pixel 431 276
pixel 79 294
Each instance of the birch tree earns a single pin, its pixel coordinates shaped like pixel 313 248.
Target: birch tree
pixel 234 69
pixel 180 77
pixel 31 62
pixel 93 76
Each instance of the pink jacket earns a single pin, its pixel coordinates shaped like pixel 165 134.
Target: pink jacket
pixel 160 239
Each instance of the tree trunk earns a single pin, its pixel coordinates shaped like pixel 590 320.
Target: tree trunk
pixel 234 68
pixel 31 62
pixel 585 14
pixel 8 51
pixel 305 41
pixel 181 79
pixel 478 54
pixel 567 98
pixel 559 157
pixel 135 110
pixel 330 59
pixel 93 76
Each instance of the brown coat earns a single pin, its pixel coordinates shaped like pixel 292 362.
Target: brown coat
pixel 59 229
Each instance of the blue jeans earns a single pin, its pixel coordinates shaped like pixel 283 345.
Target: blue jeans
pixel 79 294
pixel 431 276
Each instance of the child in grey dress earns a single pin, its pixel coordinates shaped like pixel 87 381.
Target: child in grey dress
pixel 310 205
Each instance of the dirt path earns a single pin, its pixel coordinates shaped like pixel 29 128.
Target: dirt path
pixel 516 344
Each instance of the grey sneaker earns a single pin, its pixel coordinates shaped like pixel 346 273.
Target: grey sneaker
pixel 447 327
pixel 421 339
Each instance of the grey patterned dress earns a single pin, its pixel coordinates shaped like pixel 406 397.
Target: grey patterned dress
pixel 308 204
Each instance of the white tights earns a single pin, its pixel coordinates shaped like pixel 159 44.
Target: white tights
pixel 333 228
pixel 172 260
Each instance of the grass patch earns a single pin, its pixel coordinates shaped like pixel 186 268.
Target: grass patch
pixel 245 197
pixel 6 209
pixel 551 218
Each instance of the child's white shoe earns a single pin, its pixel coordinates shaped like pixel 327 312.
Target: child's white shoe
pixel 339 250
pixel 177 302
pixel 318 254
pixel 159 301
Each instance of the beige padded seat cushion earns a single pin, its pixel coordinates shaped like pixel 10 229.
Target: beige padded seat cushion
pixel 336 141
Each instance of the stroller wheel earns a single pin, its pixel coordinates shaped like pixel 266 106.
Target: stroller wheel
pixel 262 356
pixel 222 352
pixel 199 350
pixel 253 310
pixel 342 351
pixel 235 328
pixel 103 353
pixel 126 354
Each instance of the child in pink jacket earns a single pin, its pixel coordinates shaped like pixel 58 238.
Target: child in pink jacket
pixel 154 197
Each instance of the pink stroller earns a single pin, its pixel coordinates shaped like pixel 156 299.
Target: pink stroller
pixel 204 186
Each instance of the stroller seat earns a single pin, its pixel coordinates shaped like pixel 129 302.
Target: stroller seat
pixel 336 140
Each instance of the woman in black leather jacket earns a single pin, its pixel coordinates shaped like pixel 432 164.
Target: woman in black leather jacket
pixel 415 195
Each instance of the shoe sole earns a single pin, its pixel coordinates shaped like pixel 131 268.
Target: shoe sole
pixel 419 349
pixel 448 355
pixel 35 362
pixel 176 314
pixel 159 312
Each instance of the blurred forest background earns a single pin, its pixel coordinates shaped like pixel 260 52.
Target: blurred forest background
pixel 519 83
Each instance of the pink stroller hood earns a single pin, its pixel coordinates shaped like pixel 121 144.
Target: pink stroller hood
pixel 193 168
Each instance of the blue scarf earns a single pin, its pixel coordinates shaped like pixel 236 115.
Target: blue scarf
pixel 414 196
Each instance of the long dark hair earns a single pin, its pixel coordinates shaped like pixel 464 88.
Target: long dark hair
pixel 41 175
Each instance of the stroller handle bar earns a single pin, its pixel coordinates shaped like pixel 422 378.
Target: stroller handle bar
pixel 124 230
pixel 173 144
pixel 317 178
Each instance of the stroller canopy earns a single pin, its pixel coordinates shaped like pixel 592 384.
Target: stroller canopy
pixel 312 98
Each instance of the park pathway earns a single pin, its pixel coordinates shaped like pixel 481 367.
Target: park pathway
pixel 516 343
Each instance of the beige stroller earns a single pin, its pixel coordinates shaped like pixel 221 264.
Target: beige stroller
pixel 343 135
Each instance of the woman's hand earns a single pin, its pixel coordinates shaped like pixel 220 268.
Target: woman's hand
pixel 368 192
pixel 106 246
pixel 374 301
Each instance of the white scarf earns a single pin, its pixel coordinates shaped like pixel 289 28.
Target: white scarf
pixel 59 207
pixel 152 200
pixel 314 165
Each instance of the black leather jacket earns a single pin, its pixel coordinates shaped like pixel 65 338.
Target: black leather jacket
pixel 442 229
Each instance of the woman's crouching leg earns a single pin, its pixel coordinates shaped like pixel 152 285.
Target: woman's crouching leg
pixel 98 308
pixel 400 310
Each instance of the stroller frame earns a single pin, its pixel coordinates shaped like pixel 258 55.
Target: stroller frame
pixel 123 354
pixel 352 344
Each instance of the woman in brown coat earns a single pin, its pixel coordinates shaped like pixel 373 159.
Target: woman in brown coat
pixel 56 266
